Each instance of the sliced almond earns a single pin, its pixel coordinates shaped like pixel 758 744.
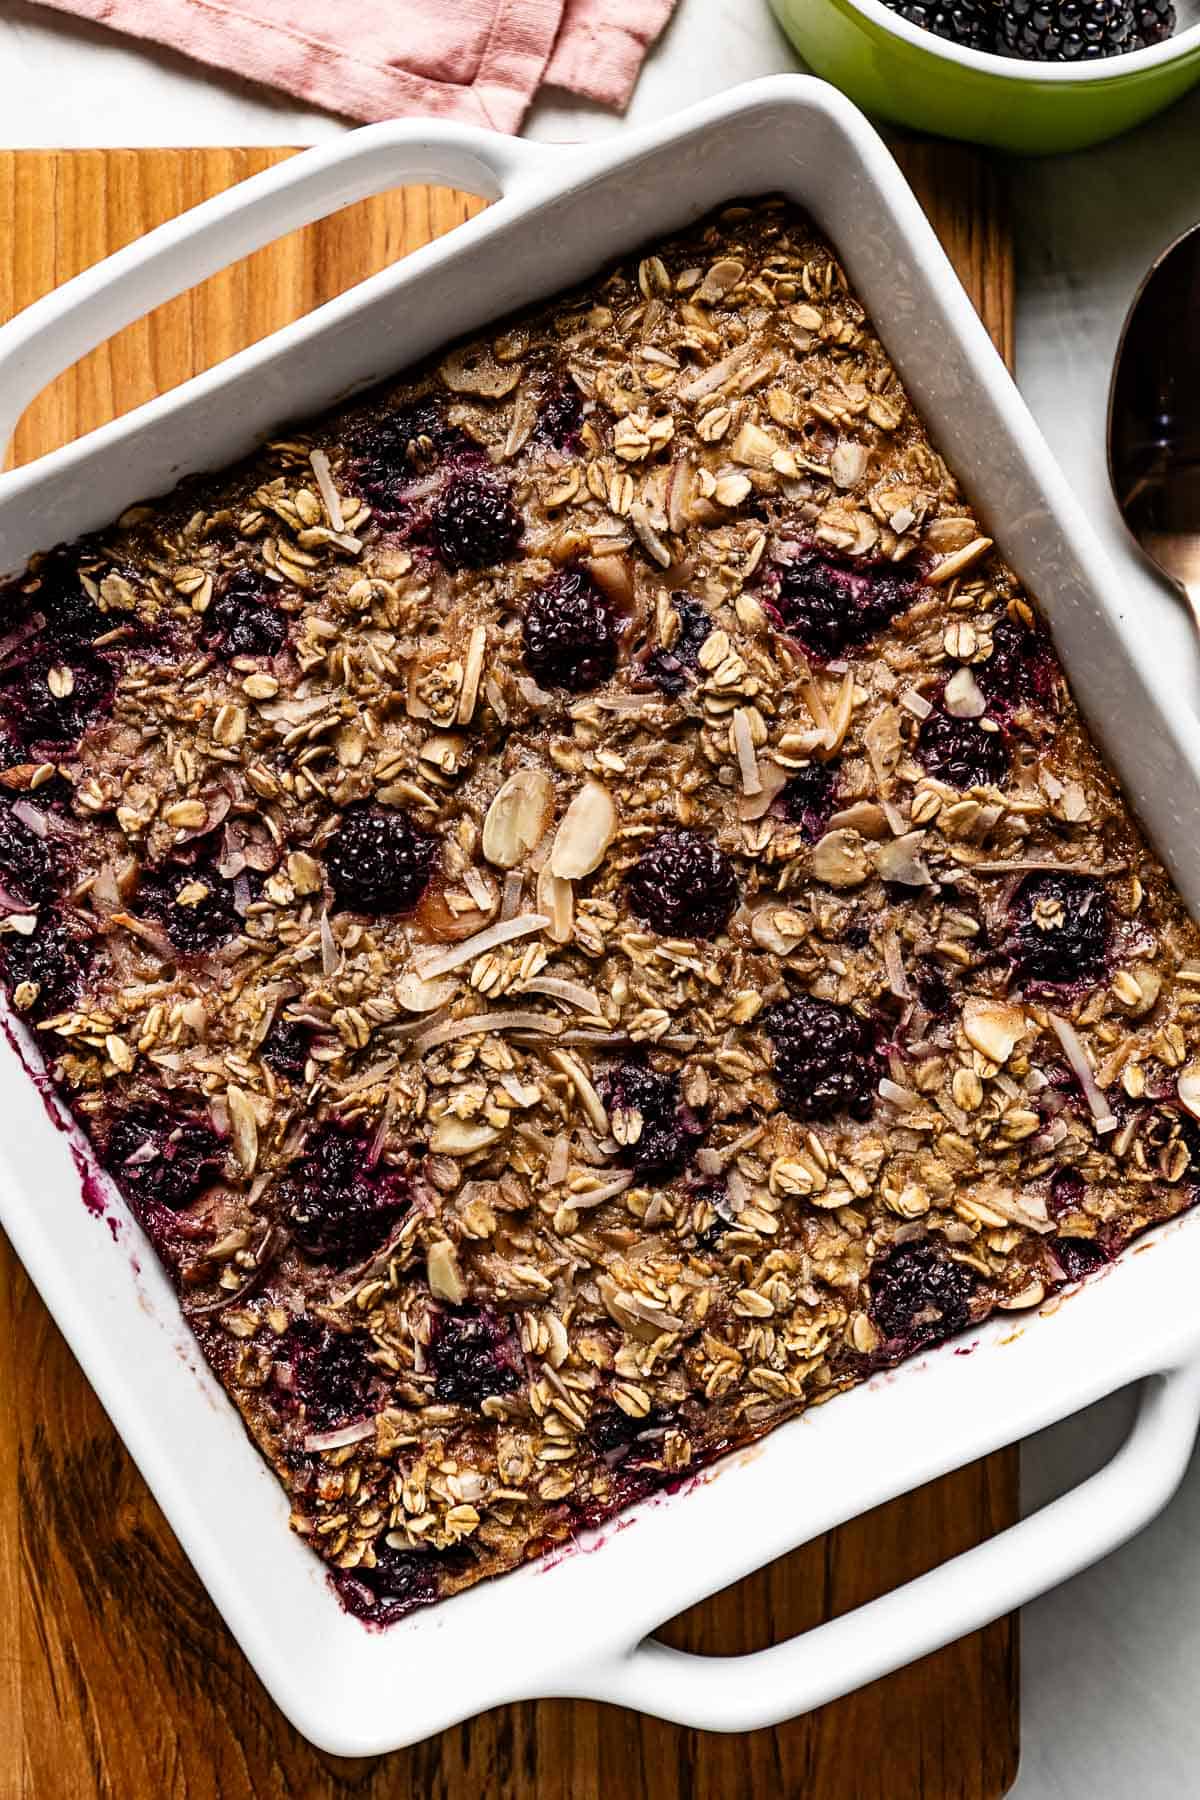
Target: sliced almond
pixel 963 696
pixel 993 1028
pixel 556 898
pixel 588 828
pixel 1187 1086
pixel 900 861
pixel 461 1137
pixel 958 561
pixel 417 995
pixel 445 1276
pixel 243 1124
pixel 518 817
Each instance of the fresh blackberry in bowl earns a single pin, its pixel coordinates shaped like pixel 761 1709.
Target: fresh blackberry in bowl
pixel 827 1058
pixel 195 906
pixel 1066 30
pixel 475 523
pixel 389 453
pixel 28 868
pixel 49 960
pixel 919 1296
pixel 831 608
pixel 962 752
pixel 473 1354
pixel 162 1158
pixel 970 23
pixel 1153 22
pixel 338 1206
pixel 560 414
pixel 670 669
pixel 571 637
pixel 52 699
pixel 669 1131
pixel 682 885
pixel 808 798
pixel 1059 929
pixel 378 861
pixel 242 618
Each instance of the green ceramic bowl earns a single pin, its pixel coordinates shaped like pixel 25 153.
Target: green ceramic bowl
pixel 899 72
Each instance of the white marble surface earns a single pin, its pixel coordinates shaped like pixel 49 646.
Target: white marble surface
pixel 1110 1659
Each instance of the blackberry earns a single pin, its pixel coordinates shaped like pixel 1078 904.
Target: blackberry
pixel 1021 669
pixel 918 1295
pixel 473 1355
pixel 1067 1189
pixel 41 716
pixel 388 453
pixel 1067 30
pixel 72 616
pixel 49 959
pixel 1153 22
pixel 961 752
pixel 808 798
pixel 970 23
pixel 827 1059
pixel 27 862
pixel 670 669
pixel 475 523
pixel 831 608
pixel 571 637
pixel 331 1377
pixel 933 990
pixel 339 1208
pixel 285 1049
pixel 669 1130
pixel 400 1582
pixel 242 618
pixel 161 1158
pixel 1059 929
pixel 560 414
pixel 1078 1256
pixel 682 886
pixel 613 1434
pixel 378 861
pixel 194 926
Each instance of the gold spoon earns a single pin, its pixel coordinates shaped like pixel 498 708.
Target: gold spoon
pixel 1154 417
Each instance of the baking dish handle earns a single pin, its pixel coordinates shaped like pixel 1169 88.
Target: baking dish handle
pixel 765 1687
pixel 63 326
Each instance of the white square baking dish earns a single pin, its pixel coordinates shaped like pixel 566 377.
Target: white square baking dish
pixel 578 1627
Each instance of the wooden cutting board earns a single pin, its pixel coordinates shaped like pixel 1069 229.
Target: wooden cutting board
pixel 118 1679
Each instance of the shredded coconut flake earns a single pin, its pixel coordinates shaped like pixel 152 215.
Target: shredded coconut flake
pixel 502 932
pixel 329 494
pixel 490 1023
pixel 916 703
pixel 1081 1068
pixel 345 1434
pixel 743 743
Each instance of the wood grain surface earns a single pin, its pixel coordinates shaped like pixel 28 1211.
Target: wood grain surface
pixel 118 1679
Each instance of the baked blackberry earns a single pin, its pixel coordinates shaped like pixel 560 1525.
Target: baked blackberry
pixel 378 861
pixel 158 1157
pixel 330 1375
pixel 50 962
pixel 285 1049
pixel 51 699
pixel 668 1132
pixel 808 798
pixel 1021 669
pixel 827 1058
pixel 571 637
pixel 399 1583
pixel 1060 929
pixel 388 454
pixel 831 608
pixel 560 414
pixel 1066 30
pixel 918 1296
pixel 337 1205
pixel 474 523
pixel 28 866
pixel 242 618
pixel 195 906
pixel 963 752
pixel 671 669
pixel 971 23
pixel 72 616
pixel 1079 1256
pixel 473 1355
pixel 683 886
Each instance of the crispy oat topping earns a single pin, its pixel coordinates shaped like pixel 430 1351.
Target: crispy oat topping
pixel 574 901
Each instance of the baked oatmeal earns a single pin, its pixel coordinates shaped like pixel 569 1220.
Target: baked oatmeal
pixel 574 902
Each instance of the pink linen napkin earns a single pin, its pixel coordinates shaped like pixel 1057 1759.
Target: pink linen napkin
pixel 477 60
